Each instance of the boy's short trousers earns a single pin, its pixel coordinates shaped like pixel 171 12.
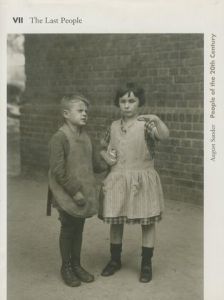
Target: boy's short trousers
pixel 68 220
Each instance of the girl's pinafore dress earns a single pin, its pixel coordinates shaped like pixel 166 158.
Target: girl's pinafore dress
pixel 132 191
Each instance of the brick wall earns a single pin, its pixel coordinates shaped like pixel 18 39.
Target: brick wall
pixel 168 66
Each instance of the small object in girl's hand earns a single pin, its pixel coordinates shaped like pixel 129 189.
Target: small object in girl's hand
pixel 150 124
pixel 142 118
pixel 113 154
pixel 110 156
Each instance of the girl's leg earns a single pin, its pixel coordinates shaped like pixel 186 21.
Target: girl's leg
pixel 116 235
pixel 148 235
pixel 148 242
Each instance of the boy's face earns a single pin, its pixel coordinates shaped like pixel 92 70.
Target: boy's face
pixel 129 105
pixel 77 113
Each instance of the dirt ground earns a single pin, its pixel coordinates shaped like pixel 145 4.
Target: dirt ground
pixel 34 260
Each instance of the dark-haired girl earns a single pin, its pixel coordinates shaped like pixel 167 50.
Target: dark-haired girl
pixel 132 191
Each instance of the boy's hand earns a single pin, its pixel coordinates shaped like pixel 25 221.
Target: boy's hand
pixel 79 199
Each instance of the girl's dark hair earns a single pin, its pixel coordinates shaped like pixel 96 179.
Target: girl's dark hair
pixel 130 87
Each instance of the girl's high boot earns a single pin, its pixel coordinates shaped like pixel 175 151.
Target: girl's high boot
pixel 146 265
pixel 115 261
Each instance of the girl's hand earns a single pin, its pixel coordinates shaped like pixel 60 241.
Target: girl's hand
pixel 155 125
pixel 150 122
pixel 150 126
pixel 109 157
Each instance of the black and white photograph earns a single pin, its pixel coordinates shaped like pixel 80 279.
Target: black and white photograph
pixel 118 121
pixel 106 161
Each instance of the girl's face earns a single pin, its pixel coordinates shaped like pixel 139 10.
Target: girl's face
pixel 129 105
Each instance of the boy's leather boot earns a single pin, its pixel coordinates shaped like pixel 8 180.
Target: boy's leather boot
pixel 82 274
pixel 115 262
pixel 68 276
pixel 78 270
pixel 146 265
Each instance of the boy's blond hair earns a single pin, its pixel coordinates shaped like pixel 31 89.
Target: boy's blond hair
pixel 66 101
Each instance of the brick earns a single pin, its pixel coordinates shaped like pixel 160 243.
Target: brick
pixel 186 143
pixel 186 79
pixel 186 159
pixel 197 160
pixel 182 104
pixel 198 126
pixel 187 151
pixel 197 144
pixel 187 183
pixel 178 133
pixel 195 134
pixel 189 117
pixel 173 71
pixel 186 126
pixel 174 142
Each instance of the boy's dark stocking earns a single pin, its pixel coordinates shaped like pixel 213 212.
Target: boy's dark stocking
pixel 65 242
pixel 81 273
pixel 115 262
pixel 77 241
pixel 146 265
